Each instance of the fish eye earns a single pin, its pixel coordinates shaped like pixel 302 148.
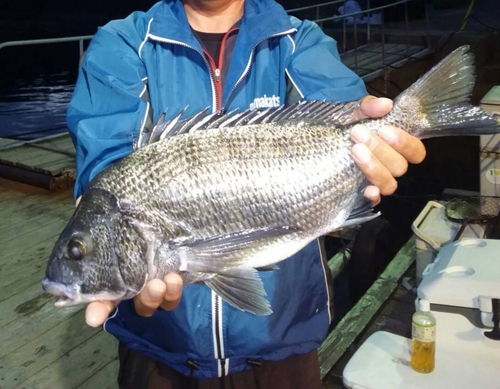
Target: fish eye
pixel 76 249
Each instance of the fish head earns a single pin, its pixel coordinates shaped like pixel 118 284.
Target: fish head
pixel 84 264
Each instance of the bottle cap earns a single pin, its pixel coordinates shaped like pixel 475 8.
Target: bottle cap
pixel 424 305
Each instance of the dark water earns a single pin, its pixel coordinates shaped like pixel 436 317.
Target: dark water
pixel 35 89
pixel 35 108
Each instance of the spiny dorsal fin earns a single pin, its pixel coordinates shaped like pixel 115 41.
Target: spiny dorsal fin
pixel 318 110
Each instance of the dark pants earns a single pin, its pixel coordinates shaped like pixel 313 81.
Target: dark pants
pixel 298 372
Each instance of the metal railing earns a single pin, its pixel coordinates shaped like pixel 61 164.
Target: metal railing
pixel 351 26
pixel 80 39
pixel 318 19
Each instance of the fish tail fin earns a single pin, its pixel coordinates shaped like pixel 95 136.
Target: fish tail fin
pixel 438 103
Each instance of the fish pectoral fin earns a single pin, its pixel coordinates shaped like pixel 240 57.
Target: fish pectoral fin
pixel 360 219
pixel 213 253
pixel 361 212
pixel 243 289
pixel 268 268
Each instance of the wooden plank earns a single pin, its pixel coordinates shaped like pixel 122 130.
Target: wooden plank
pixel 12 220
pixel 106 378
pixel 21 154
pixel 75 367
pixel 14 257
pixel 31 166
pixel 16 193
pixel 58 166
pixel 21 208
pixel 401 262
pixel 26 153
pixel 63 143
pixel 349 57
pixel 338 262
pixel 360 315
pixel 365 53
pixel 45 157
pixel 368 62
pixel 49 162
pixel 28 315
pixel 11 190
pixel 32 357
pixel 24 305
pixel 379 61
pixel 42 346
pixel 20 281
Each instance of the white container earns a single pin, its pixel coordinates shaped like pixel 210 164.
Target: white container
pixel 433 230
pixel 465 359
pixel 489 164
pixel 465 274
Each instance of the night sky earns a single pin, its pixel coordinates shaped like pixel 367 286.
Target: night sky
pixel 35 19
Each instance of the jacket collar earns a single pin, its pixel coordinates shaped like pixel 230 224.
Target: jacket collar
pixel 261 19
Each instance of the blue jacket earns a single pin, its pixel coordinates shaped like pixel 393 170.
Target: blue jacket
pixel 136 68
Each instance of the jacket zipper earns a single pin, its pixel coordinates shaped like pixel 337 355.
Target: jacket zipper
pixel 216 68
pixel 215 75
pixel 218 335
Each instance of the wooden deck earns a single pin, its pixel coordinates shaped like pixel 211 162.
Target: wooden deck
pixel 48 163
pixel 40 346
pixel 370 61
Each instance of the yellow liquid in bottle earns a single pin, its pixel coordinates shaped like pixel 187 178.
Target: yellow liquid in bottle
pixel 423 356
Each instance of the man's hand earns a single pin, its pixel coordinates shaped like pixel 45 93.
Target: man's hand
pixel 383 156
pixel 157 293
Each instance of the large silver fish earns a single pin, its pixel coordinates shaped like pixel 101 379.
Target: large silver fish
pixel 218 197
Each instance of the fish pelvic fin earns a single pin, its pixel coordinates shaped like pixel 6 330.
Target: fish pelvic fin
pixel 438 103
pixel 243 289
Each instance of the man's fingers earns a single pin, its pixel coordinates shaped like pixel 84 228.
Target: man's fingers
pixel 97 312
pixel 373 107
pixel 373 169
pixel 148 301
pixel 173 292
pixel 372 193
pixel 165 293
pixel 410 147
pixel 391 159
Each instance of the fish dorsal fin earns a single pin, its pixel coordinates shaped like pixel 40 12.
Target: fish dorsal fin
pixel 323 111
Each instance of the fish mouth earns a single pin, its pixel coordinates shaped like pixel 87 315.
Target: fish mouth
pixel 67 294
pixel 70 295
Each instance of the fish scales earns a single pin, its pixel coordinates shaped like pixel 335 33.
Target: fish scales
pixel 275 173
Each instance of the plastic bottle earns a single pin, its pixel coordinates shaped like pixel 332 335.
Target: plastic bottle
pixel 423 339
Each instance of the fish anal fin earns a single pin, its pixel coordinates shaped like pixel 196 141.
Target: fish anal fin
pixel 243 289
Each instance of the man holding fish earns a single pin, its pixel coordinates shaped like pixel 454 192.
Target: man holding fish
pixel 224 54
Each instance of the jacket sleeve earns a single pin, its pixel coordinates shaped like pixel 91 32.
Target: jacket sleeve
pixel 106 110
pixel 315 68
